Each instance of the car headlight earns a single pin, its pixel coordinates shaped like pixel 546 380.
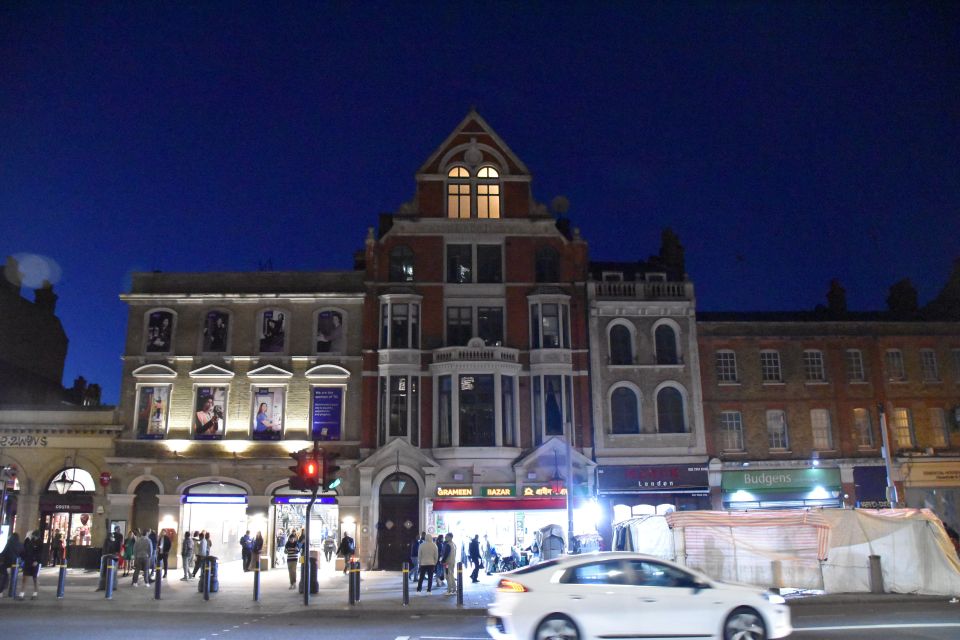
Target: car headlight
pixel 774 598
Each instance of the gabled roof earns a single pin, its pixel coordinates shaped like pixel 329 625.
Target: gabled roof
pixel 474 127
pixel 211 371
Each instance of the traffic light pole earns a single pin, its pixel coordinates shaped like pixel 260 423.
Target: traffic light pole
pixel 308 570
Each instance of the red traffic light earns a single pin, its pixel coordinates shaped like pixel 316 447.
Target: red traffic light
pixel 310 469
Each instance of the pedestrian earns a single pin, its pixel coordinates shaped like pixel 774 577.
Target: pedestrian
pixel 186 554
pixel 152 563
pixel 257 550
pixel 490 553
pixel 163 551
pixel 329 546
pixel 128 545
pixel 346 549
pixel 31 562
pixel 475 558
pixel 292 550
pixel 203 550
pixel 246 547
pixel 427 561
pixel 414 556
pixel 438 574
pixel 57 548
pixel 9 558
pixel 449 564
pixel 142 555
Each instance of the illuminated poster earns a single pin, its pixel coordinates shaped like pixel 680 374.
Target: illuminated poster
pixel 209 418
pixel 159 332
pixel 272 331
pixel 329 332
pixel 152 405
pixel 215 332
pixel 268 413
pixel 327 413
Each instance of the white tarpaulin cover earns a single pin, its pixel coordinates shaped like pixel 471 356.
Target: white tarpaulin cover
pixel 915 553
pixel 646 534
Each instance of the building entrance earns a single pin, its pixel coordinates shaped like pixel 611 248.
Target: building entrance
pixel 398 522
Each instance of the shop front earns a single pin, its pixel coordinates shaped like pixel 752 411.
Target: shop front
pixel 290 517
pixel 782 488
pixel 935 485
pixel 626 491
pixel 66 519
pixel 220 509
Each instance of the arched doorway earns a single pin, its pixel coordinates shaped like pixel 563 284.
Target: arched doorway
pixel 397 525
pixel 146 505
pixel 66 518
pixel 220 509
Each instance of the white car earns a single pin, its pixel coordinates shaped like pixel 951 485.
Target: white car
pixel 629 595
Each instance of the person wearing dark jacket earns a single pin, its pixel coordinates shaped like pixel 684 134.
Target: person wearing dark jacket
pixel 414 557
pixel 9 557
pixel 31 563
pixel 474 556
pixel 346 550
pixel 163 552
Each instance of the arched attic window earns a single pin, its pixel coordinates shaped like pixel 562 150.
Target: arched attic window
pixel 473 196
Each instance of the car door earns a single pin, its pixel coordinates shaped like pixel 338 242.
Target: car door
pixel 596 594
pixel 669 601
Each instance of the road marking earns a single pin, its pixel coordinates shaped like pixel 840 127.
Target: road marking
pixel 854 627
pixel 403 638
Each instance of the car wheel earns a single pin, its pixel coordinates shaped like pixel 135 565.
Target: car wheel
pixel 744 624
pixel 557 626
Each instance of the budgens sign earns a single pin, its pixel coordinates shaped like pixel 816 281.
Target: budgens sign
pixel 780 479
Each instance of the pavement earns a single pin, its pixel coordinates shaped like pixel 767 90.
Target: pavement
pixel 380 591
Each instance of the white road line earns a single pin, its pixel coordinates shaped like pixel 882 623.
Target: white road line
pixel 855 627
pixel 402 638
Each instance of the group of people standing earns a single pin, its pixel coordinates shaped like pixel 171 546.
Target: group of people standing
pixel 250 550
pixel 436 560
pixel 142 551
pixel 16 552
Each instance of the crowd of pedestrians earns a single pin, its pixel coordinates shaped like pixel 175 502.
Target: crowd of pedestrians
pixel 436 560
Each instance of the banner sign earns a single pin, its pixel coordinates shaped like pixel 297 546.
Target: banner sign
pixel 327 414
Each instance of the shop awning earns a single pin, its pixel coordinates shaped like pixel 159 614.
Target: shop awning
pixel 497 504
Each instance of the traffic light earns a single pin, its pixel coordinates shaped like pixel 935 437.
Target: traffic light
pixel 330 478
pixel 307 471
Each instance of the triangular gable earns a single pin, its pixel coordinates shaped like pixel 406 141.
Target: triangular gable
pixel 473 126
pixel 269 371
pixel 409 455
pixel 211 371
pixel 327 371
pixel 154 371
pixel 543 457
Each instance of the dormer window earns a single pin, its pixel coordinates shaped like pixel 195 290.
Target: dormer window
pixel 473 196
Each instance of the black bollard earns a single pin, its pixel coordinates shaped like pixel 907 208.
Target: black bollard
pixel 156 581
pixel 61 581
pixel 256 582
pixel 459 584
pixel 406 584
pixel 111 578
pixel 351 595
pixel 356 579
pixel 14 574
pixel 206 577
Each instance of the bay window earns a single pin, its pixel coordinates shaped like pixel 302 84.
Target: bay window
pixel 399 324
pixel 399 408
pixel 549 325
pixel 552 405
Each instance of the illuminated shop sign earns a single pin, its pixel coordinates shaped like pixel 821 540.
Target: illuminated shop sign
pixel 780 479
pixel 652 477
pixel 303 500
pixel 497 492
pixel 455 492
pixel 543 491
pixel 214 499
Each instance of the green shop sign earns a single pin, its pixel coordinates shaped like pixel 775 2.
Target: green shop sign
pixel 780 479
pixel 498 492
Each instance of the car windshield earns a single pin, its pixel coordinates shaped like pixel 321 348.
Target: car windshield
pixel 546 564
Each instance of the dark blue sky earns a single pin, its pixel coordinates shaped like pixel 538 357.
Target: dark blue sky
pixel 786 143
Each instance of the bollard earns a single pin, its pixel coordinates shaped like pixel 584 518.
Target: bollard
pixel 205 576
pixel 256 582
pixel 406 584
pixel 351 595
pixel 876 575
pixel 459 584
pixel 108 586
pixel 156 581
pixel 14 574
pixel 62 581
pixel 356 578
pixel 101 585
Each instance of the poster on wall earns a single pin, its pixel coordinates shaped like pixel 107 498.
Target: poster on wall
pixel 215 329
pixel 152 405
pixel 330 332
pixel 209 418
pixel 159 331
pixel 327 413
pixel 267 413
pixel 272 331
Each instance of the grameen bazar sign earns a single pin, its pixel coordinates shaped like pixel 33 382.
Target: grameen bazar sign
pixel 780 479
pixel 455 492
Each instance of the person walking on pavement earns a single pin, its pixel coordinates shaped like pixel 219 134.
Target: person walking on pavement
pixel 142 555
pixel 329 546
pixel 163 552
pixel 441 548
pixel 9 558
pixel 128 545
pixel 203 550
pixel 186 554
pixel 57 549
pixel 474 556
pixel 450 563
pixel 427 556
pixel 256 551
pixel 292 551
pixel 414 557
pixel 346 549
pixel 31 563
pixel 246 547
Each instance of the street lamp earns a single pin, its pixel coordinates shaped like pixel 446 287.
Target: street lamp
pixel 63 484
pixel 398 482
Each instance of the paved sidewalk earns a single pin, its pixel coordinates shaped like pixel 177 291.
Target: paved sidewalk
pixel 380 591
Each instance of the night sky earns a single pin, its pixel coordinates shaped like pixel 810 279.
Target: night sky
pixel 786 143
